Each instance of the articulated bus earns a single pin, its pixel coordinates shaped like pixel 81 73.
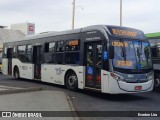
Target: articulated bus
pixel 108 59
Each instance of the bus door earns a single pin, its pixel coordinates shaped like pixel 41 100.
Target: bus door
pixel 37 60
pixel 9 56
pixel 93 63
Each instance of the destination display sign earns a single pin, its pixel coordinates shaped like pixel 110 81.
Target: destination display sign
pixel 126 32
pixel 124 63
pixel 123 32
pixel 73 43
pixel 119 44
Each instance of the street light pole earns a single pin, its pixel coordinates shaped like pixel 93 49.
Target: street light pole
pixel 73 14
pixel 120 12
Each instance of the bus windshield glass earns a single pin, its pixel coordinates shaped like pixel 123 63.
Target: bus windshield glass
pixel 135 54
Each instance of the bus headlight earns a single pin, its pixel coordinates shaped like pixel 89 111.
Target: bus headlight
pixel 150 76
pixel 117 77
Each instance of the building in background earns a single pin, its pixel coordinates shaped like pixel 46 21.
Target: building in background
pixel 26 28
pixel 16 32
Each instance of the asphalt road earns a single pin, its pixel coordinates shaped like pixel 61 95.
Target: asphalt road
pixel 93 101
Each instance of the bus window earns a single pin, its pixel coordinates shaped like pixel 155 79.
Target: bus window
pixel 51 47
pixel 60 46
pixel 72 58
pixel 29 48
pixel 72 45
pixel 14 49
pixel 59 58
pixel 49 56
pixel 5 51
pixel 14 52
pixel 24 53
pixel 22 49
pixel 29 53
pixel 99 55
pixel 46 47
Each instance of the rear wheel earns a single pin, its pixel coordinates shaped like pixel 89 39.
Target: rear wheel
pixel 72 81
pixel 16 73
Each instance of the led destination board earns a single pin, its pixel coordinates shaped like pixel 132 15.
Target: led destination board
pixel 126 32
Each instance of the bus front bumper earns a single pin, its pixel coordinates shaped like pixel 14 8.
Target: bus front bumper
pixel 136 87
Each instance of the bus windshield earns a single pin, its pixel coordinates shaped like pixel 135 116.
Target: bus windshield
pixel 135 54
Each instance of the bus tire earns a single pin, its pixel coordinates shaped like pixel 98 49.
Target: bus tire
pixel 157 84
pixel 72 81
pixel 16 73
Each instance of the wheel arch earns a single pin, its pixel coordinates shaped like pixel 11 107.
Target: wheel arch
pixel 68 71
pixel 15 67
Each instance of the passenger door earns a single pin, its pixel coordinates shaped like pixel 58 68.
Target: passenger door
pixel 9 56
pixel 37 60
pixel 93 63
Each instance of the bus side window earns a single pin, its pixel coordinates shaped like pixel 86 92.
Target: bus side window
pixel 5 51
pixel 60 46
pixel 72 52
pixel 14 51
pixel 90 56
pixel 60 52
pixel 105 58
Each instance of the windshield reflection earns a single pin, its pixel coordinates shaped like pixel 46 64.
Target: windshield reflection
pixel 131 54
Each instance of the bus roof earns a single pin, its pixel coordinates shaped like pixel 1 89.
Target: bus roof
pixel 153 35
pixel 101 28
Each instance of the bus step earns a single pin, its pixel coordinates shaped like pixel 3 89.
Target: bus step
pixel 36 79
pixel 94 89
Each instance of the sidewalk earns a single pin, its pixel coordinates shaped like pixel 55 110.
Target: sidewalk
pixel 42 100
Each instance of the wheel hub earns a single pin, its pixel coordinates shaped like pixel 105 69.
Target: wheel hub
pixel 71 80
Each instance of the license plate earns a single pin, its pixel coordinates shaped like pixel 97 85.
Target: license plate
pixel 138 88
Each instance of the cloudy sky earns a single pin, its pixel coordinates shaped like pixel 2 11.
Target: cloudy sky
pixel 56 15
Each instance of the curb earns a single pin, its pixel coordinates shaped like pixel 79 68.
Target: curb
pixel 19 90
pixel 75 116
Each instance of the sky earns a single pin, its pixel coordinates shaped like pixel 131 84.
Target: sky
pixel 56 15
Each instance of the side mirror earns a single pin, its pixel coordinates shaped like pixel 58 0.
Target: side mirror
pixel 111 52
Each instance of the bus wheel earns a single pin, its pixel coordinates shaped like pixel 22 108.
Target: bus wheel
pixel 157 84
pixel 16 73
pixel 72 81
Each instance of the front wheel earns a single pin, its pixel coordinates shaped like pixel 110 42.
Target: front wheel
pixel 72 81
pixel 157 84
pixel 16 74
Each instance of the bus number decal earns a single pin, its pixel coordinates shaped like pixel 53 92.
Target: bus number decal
pixel 24 67
pixel 124 63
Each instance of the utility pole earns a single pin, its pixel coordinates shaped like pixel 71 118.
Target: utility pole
pixel 73 14
pixel 120 12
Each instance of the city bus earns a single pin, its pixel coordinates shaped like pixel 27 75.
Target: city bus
pixel 154 39
pixel 105 58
